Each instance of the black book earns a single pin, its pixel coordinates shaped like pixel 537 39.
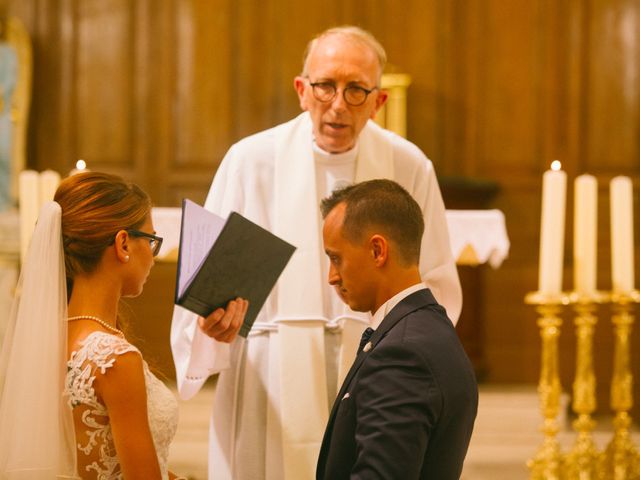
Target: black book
pixel 220 260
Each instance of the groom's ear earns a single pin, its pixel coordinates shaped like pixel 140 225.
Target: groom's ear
pixel 379 248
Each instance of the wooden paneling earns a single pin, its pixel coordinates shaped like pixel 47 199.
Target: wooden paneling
pixel 203 75
pixel 612 120
pixel 508 89
pixel 104 81
pixel 158 90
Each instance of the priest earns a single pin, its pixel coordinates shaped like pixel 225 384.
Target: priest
pixel 273 391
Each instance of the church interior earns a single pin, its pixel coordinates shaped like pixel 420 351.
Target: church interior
pixel 493 92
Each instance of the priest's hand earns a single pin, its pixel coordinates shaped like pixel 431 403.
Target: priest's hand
pixel 224 324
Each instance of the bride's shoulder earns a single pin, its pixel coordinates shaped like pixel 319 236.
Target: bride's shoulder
pixel 103 350
pixel 108 371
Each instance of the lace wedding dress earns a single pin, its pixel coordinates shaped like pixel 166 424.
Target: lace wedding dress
pixel 98 353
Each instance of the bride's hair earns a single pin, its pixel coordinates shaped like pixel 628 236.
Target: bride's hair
pixel 95 206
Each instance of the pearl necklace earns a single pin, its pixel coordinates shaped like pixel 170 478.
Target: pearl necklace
pixel 98 320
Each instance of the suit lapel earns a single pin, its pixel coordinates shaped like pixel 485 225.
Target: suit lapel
pixel 413 302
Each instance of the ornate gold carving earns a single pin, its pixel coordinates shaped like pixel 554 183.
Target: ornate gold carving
pixel 620 460
pixel 548 462
pixel 581 461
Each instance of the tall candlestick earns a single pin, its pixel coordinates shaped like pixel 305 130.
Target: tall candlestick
pixel 554 187
pixel 585 234
pixel 622 261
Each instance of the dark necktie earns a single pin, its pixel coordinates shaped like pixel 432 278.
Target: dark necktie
pixel 366 335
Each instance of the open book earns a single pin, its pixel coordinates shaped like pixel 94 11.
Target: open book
pixel 220 260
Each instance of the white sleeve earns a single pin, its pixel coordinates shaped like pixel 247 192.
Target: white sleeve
pixel 197 356
pixel 437 265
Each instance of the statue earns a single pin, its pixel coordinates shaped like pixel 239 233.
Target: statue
pixel 15 95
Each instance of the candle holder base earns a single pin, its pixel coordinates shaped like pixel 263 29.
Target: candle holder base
pixel 620 460
pixel 581 463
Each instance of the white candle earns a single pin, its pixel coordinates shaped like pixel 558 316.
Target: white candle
pixel 28 198
pixel 81 166
pixel 49 181
pixel 554 187
pixel 622 261
pixel 585 233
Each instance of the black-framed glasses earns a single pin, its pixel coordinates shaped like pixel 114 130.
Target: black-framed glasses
pixel 353 95
pixel 155 242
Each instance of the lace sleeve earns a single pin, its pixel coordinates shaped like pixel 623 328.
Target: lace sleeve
pixel 98 353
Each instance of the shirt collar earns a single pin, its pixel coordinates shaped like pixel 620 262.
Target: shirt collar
pixel 323 154
pixel 387 306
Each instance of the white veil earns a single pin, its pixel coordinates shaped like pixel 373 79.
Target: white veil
pixel 36 425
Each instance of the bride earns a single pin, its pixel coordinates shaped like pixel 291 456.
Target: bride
pixel 78 400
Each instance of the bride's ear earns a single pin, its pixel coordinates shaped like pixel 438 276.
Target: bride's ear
pixel 121 245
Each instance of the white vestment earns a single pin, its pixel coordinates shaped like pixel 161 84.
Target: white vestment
pixel 275 388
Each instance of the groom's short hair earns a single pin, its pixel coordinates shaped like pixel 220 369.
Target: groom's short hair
pixel 380 204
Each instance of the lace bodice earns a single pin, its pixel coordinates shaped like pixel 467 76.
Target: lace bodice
pixel 98 353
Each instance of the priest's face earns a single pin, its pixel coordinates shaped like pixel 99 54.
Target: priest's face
pixel 337 62
pixel 351 268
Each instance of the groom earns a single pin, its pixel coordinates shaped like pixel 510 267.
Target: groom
pixel 407 406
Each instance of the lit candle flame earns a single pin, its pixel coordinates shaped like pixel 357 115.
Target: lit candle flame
pixel 556 165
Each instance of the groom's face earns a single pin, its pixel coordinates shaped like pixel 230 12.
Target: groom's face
pixel 351 266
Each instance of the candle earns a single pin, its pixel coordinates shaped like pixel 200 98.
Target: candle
pixel 48 184
pixel 554 186
pixel 585 234
pixel 28 198
pixel 81 166
pixel 622 262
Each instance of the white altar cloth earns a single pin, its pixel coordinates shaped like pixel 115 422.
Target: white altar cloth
pixel 478 236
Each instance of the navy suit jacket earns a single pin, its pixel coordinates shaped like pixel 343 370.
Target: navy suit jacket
pixel 407 406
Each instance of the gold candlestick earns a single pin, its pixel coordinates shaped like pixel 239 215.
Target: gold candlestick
pixel 581 462
pixel 547 463
pixel 620 460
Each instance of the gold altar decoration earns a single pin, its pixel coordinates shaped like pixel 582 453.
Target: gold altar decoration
pixel 547 463
pixel 620 460
pixel 393 115
pixel 581 462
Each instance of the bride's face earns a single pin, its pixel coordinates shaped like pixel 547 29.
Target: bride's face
pixel 140 260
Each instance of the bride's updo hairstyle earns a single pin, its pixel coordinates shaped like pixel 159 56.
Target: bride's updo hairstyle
pixel 95 206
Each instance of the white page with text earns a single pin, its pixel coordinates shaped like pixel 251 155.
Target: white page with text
pixel 200 230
